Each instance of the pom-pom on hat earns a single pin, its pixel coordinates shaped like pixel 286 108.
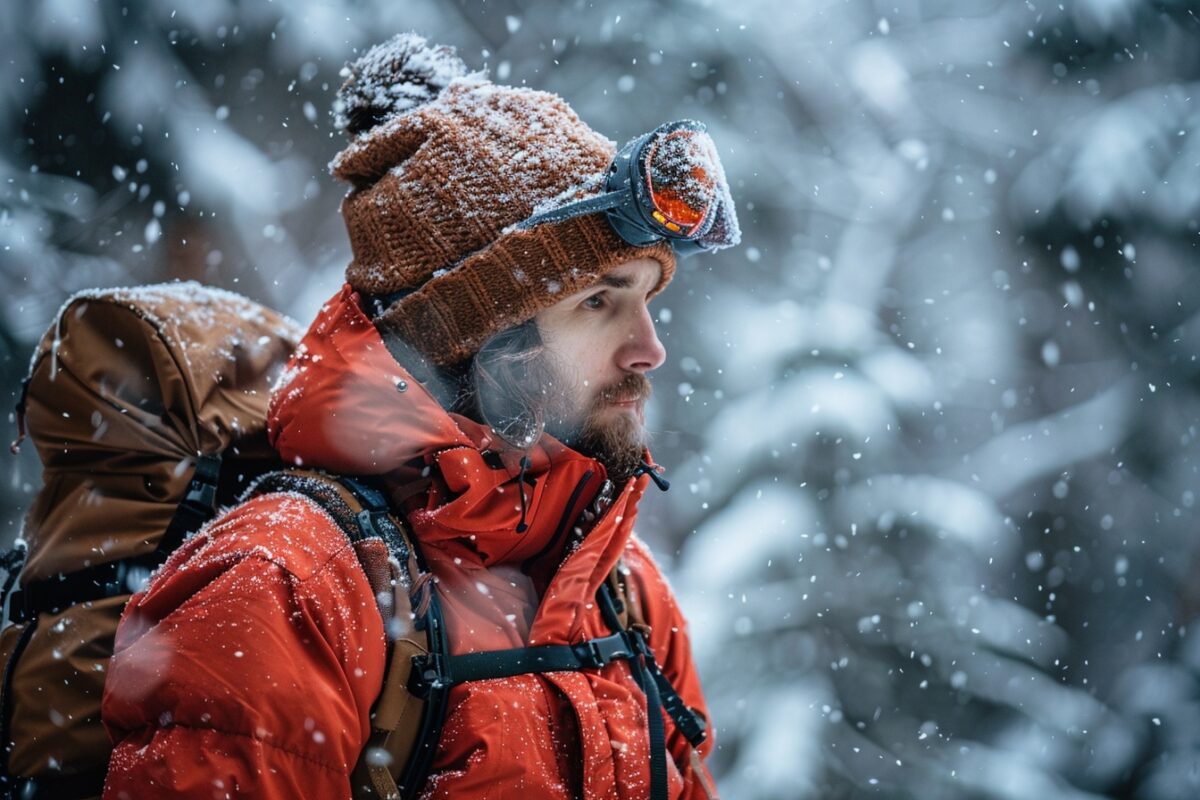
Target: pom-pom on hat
pixel 443 164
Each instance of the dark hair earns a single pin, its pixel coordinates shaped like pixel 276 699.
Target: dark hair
pixel 503 385
pixel 506 385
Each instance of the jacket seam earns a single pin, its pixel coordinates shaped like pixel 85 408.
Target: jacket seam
pixel 317 567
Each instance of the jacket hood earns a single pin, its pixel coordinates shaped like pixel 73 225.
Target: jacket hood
pixel 344 405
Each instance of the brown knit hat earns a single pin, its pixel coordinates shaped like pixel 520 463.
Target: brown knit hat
pixel 443 165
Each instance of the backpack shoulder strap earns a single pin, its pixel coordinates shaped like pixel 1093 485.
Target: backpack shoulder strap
pixel 405 725
pixel 622 610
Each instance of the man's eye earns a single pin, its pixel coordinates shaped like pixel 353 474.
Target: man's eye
pixel 594 302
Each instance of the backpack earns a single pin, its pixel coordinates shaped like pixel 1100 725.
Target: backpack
pixel 148 408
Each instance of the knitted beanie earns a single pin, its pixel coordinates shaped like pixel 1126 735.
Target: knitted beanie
pixel 443 164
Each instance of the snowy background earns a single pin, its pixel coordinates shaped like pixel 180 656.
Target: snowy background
pixel 932 428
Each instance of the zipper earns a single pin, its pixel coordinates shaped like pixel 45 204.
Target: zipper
pixel 590 517
pixel 528 563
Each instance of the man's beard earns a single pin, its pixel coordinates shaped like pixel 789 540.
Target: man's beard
pixel 618 441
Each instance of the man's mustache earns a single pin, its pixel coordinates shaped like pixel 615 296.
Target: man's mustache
pixel 634 386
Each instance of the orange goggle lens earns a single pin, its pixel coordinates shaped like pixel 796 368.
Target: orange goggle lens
pixel 680 169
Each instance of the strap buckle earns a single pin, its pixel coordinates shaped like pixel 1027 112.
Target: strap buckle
pixel 18 608
pixel 201 494
pixel 598 653
pixel 428 674
pixel 202 489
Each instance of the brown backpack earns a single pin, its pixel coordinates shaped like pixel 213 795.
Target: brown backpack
pixel 148 408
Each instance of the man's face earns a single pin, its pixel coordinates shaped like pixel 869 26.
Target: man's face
pixel 602 343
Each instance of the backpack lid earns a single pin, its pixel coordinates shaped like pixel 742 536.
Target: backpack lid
pixel 124 391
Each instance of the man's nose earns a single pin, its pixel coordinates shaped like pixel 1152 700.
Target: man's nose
pixel 641 351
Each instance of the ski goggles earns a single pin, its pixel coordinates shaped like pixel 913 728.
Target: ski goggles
pixel 667 184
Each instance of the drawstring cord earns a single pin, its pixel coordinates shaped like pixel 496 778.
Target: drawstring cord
pixel 525 464
pixel 652 470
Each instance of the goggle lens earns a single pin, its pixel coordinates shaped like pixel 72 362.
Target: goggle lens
pixel 680 170
pixel 665 184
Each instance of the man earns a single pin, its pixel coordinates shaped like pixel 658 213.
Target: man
pixel 486 365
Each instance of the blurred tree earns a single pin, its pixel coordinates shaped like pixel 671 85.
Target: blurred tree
pixel 1112 212
pixel 950 535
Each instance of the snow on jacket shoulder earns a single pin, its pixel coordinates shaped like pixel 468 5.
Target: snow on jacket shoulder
pixel 249 665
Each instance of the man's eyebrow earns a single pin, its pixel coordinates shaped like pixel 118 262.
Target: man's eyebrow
pixel 616 281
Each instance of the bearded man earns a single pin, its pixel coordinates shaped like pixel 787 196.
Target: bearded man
pixel 485 365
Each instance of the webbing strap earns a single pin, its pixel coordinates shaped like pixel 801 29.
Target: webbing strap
pixel 196 508
pixel 687 722
pixel 369 517
pixel 591 654
pixel 56 593
pixel 658 736
pixel 591 205
pixel 659 694
pixel 432 672
pixel 641 673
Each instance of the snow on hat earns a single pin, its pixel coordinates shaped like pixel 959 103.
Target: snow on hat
pixel 443 164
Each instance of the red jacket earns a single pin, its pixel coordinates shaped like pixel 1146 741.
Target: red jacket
pixel 249 665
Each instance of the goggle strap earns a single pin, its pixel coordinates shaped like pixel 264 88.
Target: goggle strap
pixel 591 205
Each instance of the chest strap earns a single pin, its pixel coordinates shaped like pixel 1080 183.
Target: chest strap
pixel 592 654
pixel 628 645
